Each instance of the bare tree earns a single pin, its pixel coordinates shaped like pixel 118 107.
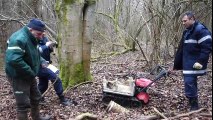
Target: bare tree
pixel 14 14
pixel 153 27
pixel 154 24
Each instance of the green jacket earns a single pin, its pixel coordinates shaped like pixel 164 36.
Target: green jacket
pixel 22 60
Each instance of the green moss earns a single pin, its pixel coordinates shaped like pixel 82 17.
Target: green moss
pixel 77 75
pixel 61 7
pixel 64 16
pixel 130 44
pixel 72 74
pixel 69 1
pixel 90 2
pixel 64 75
pixel 58 6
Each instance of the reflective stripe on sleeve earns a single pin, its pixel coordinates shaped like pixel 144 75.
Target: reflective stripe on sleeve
pixel 15 48
pixel 40 50
pixel 204 39
pixel 199 41
pixel 190 41
pixel 194 71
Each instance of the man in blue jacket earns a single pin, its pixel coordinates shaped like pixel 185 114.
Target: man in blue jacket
pixel 46 74
pixel 192 56
pixel 22 62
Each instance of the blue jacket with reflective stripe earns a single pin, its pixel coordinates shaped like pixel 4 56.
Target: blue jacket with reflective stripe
pixel 45 50
pixel 195 46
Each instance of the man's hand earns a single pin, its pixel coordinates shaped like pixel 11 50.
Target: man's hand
pixel 50 44
pixel 197 66
pixel 45 64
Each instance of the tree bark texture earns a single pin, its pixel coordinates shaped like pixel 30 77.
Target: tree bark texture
pixel 74 35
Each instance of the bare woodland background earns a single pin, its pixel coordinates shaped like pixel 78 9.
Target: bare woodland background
pixel 112 26
pixel 117 37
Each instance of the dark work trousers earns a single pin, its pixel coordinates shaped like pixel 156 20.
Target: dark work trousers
pixel 26 93
pixel 190 83
pixel 45 75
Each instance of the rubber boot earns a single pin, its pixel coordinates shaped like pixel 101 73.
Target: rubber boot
pixel 42 101
pixel 22 116
pixel 193 101
pixel 64 101
pixel 36 115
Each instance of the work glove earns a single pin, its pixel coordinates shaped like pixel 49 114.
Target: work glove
pixel 44 64
pixel 50 44
pixel 197 66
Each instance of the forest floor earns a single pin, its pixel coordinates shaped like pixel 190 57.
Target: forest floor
pixel 166 97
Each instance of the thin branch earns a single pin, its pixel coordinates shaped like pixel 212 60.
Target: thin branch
pixel 106 15
pixel 141 27
pixel 11 19
pixel 16 20
pixel 45 2
pixel 185 114
pixel 162 115
pixel 30 8
pixel 49 88
pixel 74 87
pixel 206 115
pixel 19 21
pixel 51 31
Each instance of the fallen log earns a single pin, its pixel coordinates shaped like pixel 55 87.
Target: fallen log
pixel 150 117
pixel 154 117
pixel 85 116
pixel 206 115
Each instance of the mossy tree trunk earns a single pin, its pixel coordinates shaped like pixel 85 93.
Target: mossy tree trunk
pixel 74 41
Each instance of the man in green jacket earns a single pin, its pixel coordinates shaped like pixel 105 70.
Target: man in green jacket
pixel 22 64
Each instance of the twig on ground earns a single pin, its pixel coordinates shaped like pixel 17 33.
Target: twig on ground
pixel 206 114
pixel 74 87
pixel 85 116
pixel 156 91
pixel 185 114
pixel 154 117
pixel 159 113
pixel 150 117
pixel 48 89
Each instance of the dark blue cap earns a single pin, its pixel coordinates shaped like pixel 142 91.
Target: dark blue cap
pixel 36 24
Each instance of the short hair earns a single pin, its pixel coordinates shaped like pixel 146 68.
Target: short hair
pixel 189 14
